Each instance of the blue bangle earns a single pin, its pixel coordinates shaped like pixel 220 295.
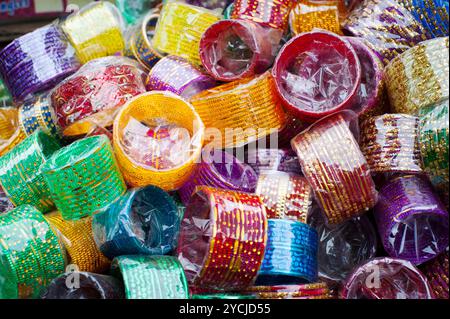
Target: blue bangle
pixel 37 113
pixel 432 14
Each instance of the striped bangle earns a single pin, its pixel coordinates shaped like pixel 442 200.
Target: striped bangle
pixel 38 114
pixel 437 273
pixel 318 290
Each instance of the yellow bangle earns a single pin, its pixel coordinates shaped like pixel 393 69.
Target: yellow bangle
pixel 10 132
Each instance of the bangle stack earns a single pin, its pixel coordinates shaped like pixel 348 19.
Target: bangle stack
pixel 38 114
pixel 272 159
pixel 318 290
pixel 437 272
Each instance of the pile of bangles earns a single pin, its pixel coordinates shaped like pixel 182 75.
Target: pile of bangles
pixel 219 149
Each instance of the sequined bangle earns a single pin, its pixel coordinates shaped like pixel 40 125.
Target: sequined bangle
pixel 177 75
pixel 336 169
pixel 30 253
pixel 437 272
pixel 271 159
pixel 318 290
pixel 419 77
pixel 243 111
pixel 151 277
pixel 411 220
pixel 83 177
pixel 180 28
pixel 227 254
pixel 38 114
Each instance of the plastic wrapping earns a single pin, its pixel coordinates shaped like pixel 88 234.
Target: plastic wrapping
pixel 20 175
pixel 317 73
pixel 5 96
pixel 95 31
pixel 218 241
pixel 419 77
pixel 86 285
pixel 272 159
pixel 10 132
pixel 386 25
pixel 412 222
pixel 37 113
pixel 220 169
pixel 144 221
pixel 93 95
pixel 235 49
pixel 386 278
pixel 390 143
pixel 209 4
pixel 30 254
pixel 133 10
pixel 37 61
pixel 437 272
pixel 285 195
pixel 318 290
pixel 227 12
pixel 177 75
pixel 180 28
pixel 151 277
pixel 335 168
pixel 154 146
pixel 83 177
pixel 240 112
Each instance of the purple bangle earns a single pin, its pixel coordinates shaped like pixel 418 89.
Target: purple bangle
pixel 177 75
pixel 436 271
pixel 411 220
pixel 272 159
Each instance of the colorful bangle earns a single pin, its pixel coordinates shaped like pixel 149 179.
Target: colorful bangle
pixel 5 96
pixel 419 77
pixel 151 153
pixel 286 196
pixel 336 169
pixel 437 272
pixel 242 111
pixel 151 277
pixel 133 10
pixel 209 4
pixel 79 243
pixel 227 253
pixel 20 175
pixel 299 87
pixel 220 169
pixel 8 122
pixel 291 254
pixel 272 159
pixel 411 220
pixel 221 296
pixel 228 11
pixel 144 221
pixel 390 143
pixel 38 114
pixel 30 254
pixel 318 290
pixel 83 177
pixel 394 279
pixel 180 28
pixel 177 75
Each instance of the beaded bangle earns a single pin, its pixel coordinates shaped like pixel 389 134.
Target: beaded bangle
pixel 336 169
pixel 30 254
pixel 20 175
pixel 291 254
pixel 83 177
pixel 180 28
pixel 242 111
pixel 79 243
pixel 222 239
pixel 38 114
pixel 437 272
pixel 151 277
pixel 270 159
pixel 177 75
pixel 318 290
pixel 419 77
pixel 411 220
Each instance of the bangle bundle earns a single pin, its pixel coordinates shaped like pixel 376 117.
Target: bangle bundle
pixel 437 272
pixel 38 114
pixel 272 159
pixel 8 122
pixel 318 290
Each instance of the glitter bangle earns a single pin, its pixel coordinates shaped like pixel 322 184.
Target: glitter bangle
pixel 437 272
pixel 318 290
pixel 8 122
pixel 221 296
pixel 38 114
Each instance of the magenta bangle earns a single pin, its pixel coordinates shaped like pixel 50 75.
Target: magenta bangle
pixel 411 220
pixel 272 159
pixel 436 271
pixel 178 76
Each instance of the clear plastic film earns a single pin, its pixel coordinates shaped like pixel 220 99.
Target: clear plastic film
pixel 211 228
pixel 5 96
pixel 436 271
pixel 272 159
pixel 218 5
pixel 5 203
pixel 10 132
pixel 154 146
pixel 133 10
pixel 317 290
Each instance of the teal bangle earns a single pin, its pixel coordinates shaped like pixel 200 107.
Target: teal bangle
pixel 223 296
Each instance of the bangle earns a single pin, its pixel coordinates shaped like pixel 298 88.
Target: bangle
pixel 227 254
pixel 291 74
pixel 177 75
pixel 272 159
pixel 387 26
pixel 79 243
pixel 236 49
pixel 83 177
pixel 411 220
pixel 285 196
pixel 390 144
pixel 95 31
pixel 243 111
pixel 209 4
pixel 31 255
pixel 20 175
pixel 8 122
pixel 151 277
pixel 144 221
pixel 228 11
pixel 221 296
pixel 220 169
pixel 318 290
pixel 290 255
pixel 5 203
pixel 163 151
pixel 38 114
pixel 397 279
pixel 436 271
pixel 179 29
pixel 132 11
pixel 5 96
pixel 336 169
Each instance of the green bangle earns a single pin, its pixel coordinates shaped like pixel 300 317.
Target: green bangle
pixel 83 177
pixel 222 296
pixel 20 174
pixel 151 277
pixel 30 253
